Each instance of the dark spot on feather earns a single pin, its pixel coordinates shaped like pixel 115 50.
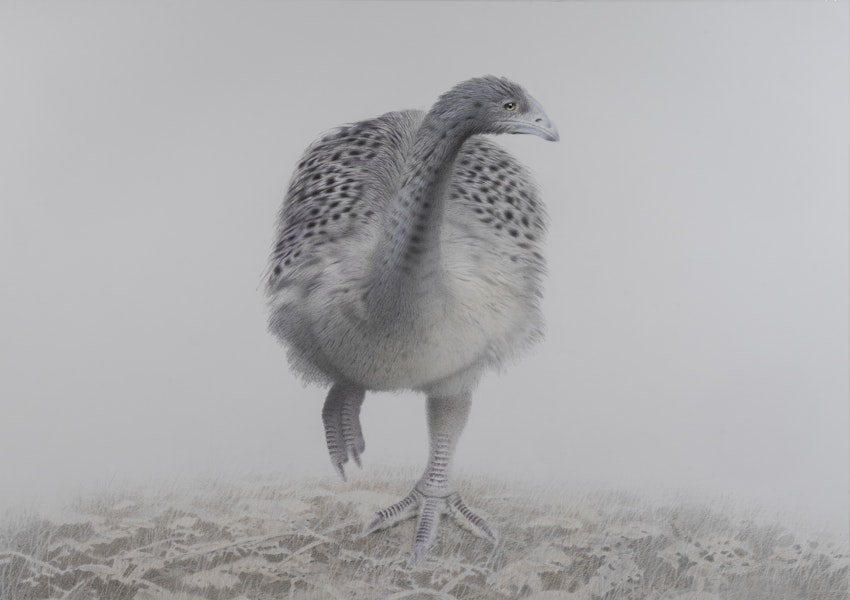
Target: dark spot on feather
pixel 277 269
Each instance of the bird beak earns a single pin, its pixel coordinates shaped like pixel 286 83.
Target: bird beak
pixel 536 122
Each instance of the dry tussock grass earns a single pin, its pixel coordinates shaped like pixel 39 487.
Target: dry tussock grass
pixel 272 539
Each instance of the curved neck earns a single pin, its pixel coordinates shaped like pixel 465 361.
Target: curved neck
pixel 410 251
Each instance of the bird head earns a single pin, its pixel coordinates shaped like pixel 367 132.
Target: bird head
pixel 495 105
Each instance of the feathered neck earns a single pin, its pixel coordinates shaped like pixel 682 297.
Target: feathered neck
pixel 409 255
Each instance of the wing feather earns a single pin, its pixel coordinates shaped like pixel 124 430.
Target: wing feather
pixel 341 183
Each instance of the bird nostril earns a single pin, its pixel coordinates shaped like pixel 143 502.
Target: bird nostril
pixel 538 120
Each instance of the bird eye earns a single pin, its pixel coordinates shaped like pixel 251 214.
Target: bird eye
pixel 510 106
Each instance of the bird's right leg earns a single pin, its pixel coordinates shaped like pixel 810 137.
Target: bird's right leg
pixel 434 495
pixel 341 416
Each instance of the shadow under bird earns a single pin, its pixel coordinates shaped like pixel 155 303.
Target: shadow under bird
pixel 408 257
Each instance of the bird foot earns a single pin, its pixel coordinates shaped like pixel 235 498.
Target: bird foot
pixel 341 417
pixel 428 509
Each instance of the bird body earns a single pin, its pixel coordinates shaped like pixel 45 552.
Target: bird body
pixel 473 306
pixel 408 256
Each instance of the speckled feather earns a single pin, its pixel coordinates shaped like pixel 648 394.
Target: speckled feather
pixel 408 253
pixel 344 181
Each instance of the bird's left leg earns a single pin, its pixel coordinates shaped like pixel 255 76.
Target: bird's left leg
pixel 434 495
pixel 341 417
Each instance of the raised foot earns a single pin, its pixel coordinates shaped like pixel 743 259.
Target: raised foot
pixel 429 509
pixel 341 418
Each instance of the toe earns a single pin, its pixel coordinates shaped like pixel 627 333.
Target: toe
pixel 336 444
pixel 405 509
pixel 429 509
pixel 466 518
pixel 426 527
pixel 352 433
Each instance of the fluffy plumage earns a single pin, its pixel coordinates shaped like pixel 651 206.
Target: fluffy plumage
pixel 408 253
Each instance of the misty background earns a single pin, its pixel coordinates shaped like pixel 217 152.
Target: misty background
pixel 697 297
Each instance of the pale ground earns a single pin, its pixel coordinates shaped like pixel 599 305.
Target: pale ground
pixel 272 538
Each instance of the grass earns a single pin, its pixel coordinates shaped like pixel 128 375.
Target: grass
pixel 273 538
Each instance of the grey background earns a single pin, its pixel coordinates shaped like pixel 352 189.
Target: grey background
pixel 698 289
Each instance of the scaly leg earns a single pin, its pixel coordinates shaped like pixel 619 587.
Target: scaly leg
pixel 434 495
pixel 341 417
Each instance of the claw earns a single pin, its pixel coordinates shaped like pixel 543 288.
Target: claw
pixel 429 509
